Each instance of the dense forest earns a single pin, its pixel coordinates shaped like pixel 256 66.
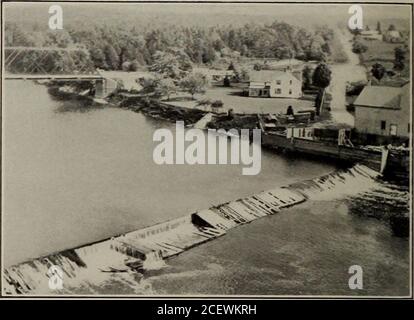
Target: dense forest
pixel 132 48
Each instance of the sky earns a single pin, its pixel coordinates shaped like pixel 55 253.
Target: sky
pixel 203 14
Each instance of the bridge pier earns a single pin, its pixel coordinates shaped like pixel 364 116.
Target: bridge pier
pixel 100 88
pixel 104 87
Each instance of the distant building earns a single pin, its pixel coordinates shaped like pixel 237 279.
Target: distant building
pixel 393 36
pixel 383 111
pixel 371 35
pixel 129 81
pixel 214 75
pixel 275 84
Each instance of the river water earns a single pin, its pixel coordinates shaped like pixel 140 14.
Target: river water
pixel 74 177
pixel 73 174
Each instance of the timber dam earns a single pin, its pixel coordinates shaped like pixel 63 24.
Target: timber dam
pixel 129 256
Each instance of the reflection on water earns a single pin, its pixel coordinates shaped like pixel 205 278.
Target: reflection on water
pixel 75 177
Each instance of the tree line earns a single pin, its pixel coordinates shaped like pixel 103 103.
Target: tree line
pixel 122 47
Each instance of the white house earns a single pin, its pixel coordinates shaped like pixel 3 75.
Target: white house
pixel 392 36
pixel 214 75
pixel 275 84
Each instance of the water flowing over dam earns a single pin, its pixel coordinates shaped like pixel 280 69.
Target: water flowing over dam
pixel 127 257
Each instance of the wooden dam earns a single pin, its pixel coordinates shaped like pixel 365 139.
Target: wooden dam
pixel 137 251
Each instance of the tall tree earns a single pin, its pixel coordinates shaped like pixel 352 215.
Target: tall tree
pixel 307 77
pixel 111 57
pixel 378 71
pixel 399 54
pixel 379 27
pixel 391 27
pixel 321 78
pixel 166 87
pixel 173 64
pixel 194 83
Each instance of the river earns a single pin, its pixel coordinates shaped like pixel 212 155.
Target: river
pixel 74 177
pixel 73 174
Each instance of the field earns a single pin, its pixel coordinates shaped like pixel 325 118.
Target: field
pixel 382 52
pixel 232 98
pixel 379 50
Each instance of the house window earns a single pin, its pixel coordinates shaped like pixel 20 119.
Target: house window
pixel 408 130
pixel 290 91
pixel 383 125
pixel 278 82
pixel 278 91
pixel 290 82
pixel 393 129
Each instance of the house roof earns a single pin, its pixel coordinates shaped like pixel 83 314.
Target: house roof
pixel 393 33
pixel 267 75
pixel 369 32
pixel 379 97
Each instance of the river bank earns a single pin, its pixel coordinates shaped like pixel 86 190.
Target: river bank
pixel 201 119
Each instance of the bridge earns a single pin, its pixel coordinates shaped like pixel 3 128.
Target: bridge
pixel 63 77
pixel 47 60
pixel 54 63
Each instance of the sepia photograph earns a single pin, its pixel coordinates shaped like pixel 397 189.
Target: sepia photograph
pixel 206 149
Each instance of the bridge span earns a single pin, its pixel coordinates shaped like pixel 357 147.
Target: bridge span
pixel 103 85
pixel 65 77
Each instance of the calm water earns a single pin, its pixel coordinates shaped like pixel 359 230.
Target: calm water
pixel 73 177
pixel 304 250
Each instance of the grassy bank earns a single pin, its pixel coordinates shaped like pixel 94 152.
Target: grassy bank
pixel 383 53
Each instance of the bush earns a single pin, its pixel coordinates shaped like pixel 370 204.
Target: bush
pixel 204 102
pixel 126 65
pixel 134 66
pixel 226 81
pixel 359 47
pixel 217 104
pixel 257 67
